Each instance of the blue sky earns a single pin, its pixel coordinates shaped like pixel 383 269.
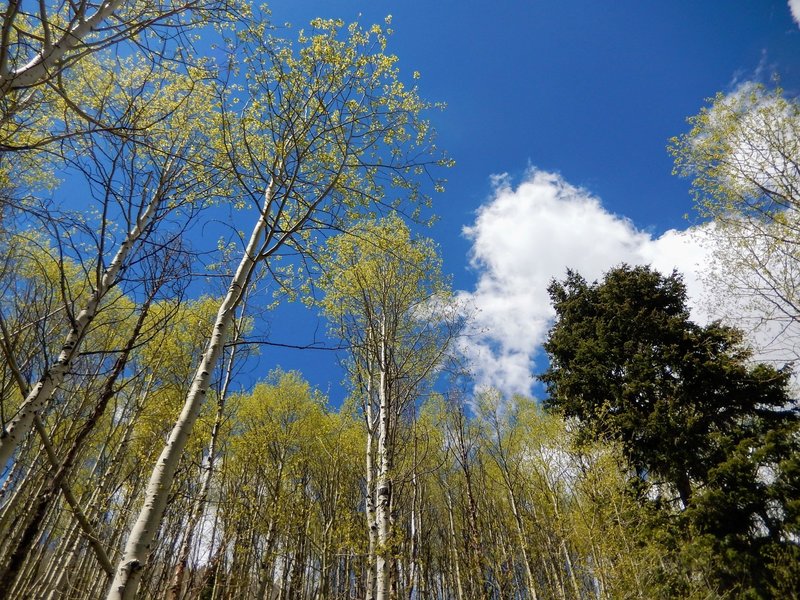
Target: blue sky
pixel 590 89
pixel 558 118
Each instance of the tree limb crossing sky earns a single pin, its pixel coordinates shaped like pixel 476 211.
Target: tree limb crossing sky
pixel 558 118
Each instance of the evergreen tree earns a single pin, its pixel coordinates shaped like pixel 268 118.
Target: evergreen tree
pixel 692 412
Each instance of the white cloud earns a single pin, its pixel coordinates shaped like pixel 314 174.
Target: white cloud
pixel 794 7
pixel 525 236
pixel 528 234
pixel 754 279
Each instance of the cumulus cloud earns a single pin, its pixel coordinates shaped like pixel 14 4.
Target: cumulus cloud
pixel 528 234
pixel 794 7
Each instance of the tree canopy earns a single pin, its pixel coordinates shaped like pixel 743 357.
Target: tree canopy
pixel 172 171
pixel 693 412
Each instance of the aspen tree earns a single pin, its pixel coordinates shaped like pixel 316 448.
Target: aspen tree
pixel 504 446
pixel 38 43
pixel 60 469
pixel 207 473
pixel 387 300
pixel 325 129
pixel 46 47
pixel 78 430
pixel 137 187
pixel 742 155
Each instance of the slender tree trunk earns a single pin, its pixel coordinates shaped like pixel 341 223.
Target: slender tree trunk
pixel 325 578
pixel 395 560
pixel 569 566
pixel 298 567
pixel 41 393
pixel 213 555
pixel 623 534
pixel 523 544
pixel 553 564
pixel 453 545
pixel 198 507
pixel 474 546
pixel 11 480
pixel 267 562
pixel 144 530
pixel 18 498
pixel 384 491
pixel 56 565
pixel 64 571
pixel 369 497
pixel 60 469
pixel 414 549
pixel 46 62
pixel 36 520
pixel 563 544
pixel 217 565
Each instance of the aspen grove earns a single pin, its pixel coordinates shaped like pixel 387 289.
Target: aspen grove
pixel 142 455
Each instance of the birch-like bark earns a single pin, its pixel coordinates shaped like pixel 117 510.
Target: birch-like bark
pixel 11 482
pixel 472 541
pixel 567 559
pixel 197 511
pixel 418 582
pixel 523 544
pixel 47 61
pixel 21 491
pixel 267 561
pixel 64 571
pixel 61 468
pixel 137 548
pixel 454 545
pixel 369 497
pixel 198 507
pixel 383 515
pixel 42 392
pixel 80 517
pixel 61 570
pixel 413 586
pixel 501 459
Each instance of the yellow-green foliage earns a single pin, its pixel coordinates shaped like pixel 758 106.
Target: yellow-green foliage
pixel 385 295
pixel 742 154
pixel 379 267
pixel 329 121
pixel 168 360
pixel 36 283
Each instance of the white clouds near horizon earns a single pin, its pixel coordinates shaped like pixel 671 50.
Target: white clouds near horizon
pixel 526 235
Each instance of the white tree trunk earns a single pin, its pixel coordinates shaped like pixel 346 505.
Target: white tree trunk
pixel 523 545
pixel 416 528
pixel 77 511
pixel 198 508
pixel 137 548
pixel 47 61
pixel 383 516
pixel 41 393
pixel 369 497
pixel 454 546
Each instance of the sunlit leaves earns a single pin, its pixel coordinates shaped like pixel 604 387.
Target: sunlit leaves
pixel 743 154
pixel 329 121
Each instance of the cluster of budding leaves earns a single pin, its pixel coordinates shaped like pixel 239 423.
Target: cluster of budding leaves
pixel 332 114
pixel 742 153
pixel 743 156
